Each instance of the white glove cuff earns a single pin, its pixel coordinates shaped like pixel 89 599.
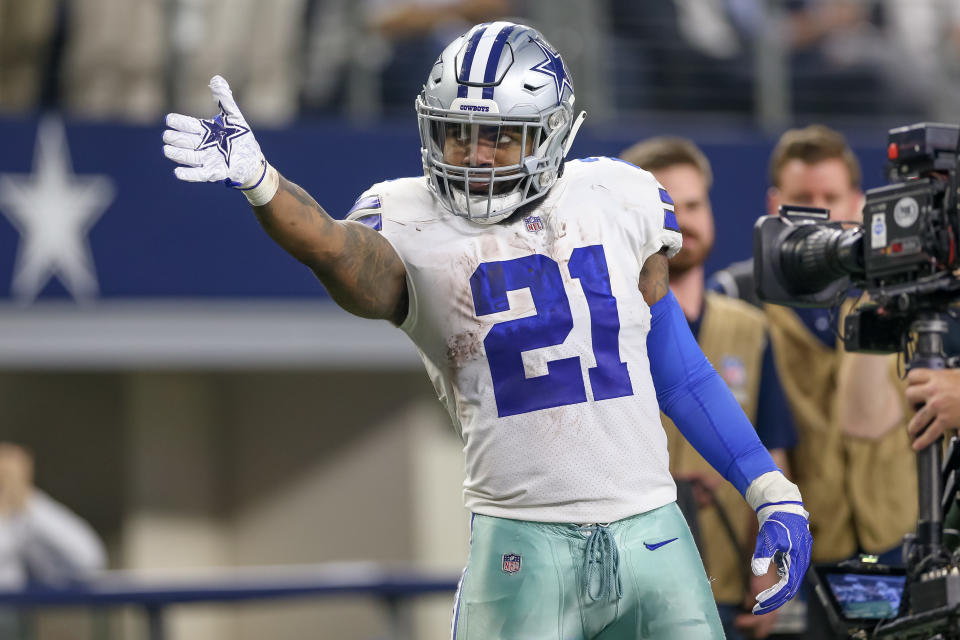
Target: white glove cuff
pixel 263 190
pixel 772 492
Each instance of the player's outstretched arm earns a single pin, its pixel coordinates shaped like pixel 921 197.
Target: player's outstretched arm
pixel 695 397
pixel 357 265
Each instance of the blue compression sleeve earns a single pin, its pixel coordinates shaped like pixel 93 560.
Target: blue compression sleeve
pixel 694 396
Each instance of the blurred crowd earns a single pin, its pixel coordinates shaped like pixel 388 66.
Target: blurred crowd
pixel 133 60
pixel 849 57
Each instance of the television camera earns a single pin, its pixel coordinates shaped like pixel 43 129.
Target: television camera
pixel 904 257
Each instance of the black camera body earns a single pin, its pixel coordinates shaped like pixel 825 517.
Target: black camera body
pixel 903 222
pixel 904 254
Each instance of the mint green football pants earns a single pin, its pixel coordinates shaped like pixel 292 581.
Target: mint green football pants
pixel 637 578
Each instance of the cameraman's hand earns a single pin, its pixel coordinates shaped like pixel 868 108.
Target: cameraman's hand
pixel 220 149
pixel 754 626
pixel 939 392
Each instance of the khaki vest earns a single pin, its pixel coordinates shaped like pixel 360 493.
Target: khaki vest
pixel 861 494
pixel 733 335
pixel 881 477
pixel 882 483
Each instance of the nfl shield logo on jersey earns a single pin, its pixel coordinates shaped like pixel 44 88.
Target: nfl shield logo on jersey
pixel 511 562
pixel 534 224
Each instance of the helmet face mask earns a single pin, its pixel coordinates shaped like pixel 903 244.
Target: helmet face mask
pixel 495 120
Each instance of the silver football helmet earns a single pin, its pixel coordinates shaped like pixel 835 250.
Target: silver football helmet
pixel 496 121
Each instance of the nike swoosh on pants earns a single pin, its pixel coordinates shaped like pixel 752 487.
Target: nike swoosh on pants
pixel 657 545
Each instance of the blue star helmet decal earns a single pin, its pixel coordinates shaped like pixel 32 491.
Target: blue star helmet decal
pixel 220 133
pixel 553 66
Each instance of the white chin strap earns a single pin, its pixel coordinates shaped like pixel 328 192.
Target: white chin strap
pixel 500 206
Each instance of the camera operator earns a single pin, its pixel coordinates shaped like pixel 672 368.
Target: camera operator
pixel 852 461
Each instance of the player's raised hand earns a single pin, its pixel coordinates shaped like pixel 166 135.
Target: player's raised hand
pixel 218 149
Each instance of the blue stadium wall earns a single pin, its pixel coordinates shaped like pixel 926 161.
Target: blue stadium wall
pixel 161 238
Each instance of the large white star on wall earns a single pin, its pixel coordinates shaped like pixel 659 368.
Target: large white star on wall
pixel 53 209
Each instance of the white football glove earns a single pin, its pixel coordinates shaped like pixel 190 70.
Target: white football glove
pixel 221 149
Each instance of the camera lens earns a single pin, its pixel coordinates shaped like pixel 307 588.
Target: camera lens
pixel 814 255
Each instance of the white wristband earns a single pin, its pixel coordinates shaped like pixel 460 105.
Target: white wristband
pixel 262 191
pixel 772 492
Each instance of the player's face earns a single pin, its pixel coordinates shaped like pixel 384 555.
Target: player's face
pixel 485 146
pixel 691 203
pixel 823 184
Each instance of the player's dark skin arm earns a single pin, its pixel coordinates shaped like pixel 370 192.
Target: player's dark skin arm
pixel 655 278
pixel 358 267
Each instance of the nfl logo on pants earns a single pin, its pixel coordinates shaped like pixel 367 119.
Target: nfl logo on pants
pixel 511 563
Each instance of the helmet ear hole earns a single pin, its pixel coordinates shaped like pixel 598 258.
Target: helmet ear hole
pixel 557 119
pixel 546 179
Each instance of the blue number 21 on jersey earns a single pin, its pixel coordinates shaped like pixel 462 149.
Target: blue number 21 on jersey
pixel 506 341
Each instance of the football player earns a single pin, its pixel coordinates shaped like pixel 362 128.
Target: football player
pixel 536 292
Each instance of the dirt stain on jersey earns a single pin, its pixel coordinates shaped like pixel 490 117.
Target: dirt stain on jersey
pixel 563 230
pixel 489 248
pixel 556 422
pixel 462 348
pixel 465 264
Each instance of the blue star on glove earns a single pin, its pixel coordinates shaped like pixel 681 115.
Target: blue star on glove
pixel 219 134
pixel 785 539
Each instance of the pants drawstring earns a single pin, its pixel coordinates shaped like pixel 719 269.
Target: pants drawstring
pixel 601 556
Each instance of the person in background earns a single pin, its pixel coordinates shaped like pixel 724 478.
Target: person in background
pixel 27 32
pixel 40 539
pixel 811 167
pixel 734 336
pixel 413 31
pixel 853 464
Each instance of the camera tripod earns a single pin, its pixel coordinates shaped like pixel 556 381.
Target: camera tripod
pixel 930 608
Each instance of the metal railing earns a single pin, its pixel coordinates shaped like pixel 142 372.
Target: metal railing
pixel 155 592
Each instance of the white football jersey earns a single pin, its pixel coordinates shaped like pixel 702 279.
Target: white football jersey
pixel 533 331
